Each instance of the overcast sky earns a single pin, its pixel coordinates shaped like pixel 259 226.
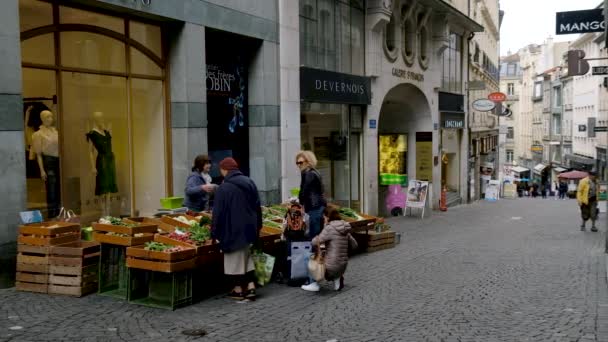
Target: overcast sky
pixel 532 21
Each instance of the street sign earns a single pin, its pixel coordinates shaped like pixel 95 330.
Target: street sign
pixel 579 21
pixel 497 97
pixel 576 64
pixel 599 70
pixel 477 85
pixel 483 105
pixel 600 129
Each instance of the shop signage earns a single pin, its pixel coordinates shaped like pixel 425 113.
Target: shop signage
pixel 599 70
pixel 497 97
pixel 452 120
pixel 597 129
pixel 477 85
pixel 372 123
pixel 582 128
pixel 584 21
pixel 483 105
pixel 334 87
pixel 537 148
pixel 408 75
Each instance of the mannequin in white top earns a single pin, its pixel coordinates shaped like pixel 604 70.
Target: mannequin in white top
pixel 103 165
pixel 45 143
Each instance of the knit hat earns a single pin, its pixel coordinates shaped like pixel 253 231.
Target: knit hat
pixel 229 164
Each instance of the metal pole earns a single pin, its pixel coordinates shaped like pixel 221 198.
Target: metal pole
pixel 605 47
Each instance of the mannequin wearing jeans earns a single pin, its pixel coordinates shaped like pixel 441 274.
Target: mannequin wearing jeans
pixel 45 143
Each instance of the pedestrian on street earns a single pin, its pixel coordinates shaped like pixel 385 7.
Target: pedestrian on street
pixel 543 191
pixel 586 195
pixel 311 191
pixel 237 220
pixel 198 185
pixel 337 239
pixel 563 190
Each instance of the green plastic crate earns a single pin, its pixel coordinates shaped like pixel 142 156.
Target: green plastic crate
pixel 159 289
pixel 86 234
pixel 294 192
pixel 113 272
pixel 171 202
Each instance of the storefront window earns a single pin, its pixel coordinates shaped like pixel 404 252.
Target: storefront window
pixel 108 116
pixel 332 132
pixel 393 159
pixel 332 35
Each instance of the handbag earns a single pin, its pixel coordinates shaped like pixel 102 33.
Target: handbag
pixel 316 264
pixel 67 216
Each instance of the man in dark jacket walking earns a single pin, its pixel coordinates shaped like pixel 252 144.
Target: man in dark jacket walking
pixel 237 219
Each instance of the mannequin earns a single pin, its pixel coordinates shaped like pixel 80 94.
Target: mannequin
pixel 103 164
pixel 45 144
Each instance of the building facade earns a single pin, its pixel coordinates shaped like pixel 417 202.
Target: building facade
pixel 110 117
pixel 483 154
pixel 510 85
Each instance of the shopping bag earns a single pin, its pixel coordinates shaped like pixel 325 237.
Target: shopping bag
pixel 316 265
pixel 298 258
pixel 67 216
pixel 33 216
pixel 264 264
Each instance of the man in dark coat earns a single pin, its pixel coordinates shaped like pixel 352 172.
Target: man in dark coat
pixel 237 220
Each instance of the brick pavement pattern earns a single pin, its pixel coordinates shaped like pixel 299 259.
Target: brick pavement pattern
pixel 516 270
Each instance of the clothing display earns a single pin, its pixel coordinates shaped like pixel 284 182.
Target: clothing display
pixel 45 141
pixel 53 185
pixel 106 165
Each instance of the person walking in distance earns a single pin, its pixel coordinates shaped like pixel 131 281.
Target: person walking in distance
pixel 237 220
pixel 586 195
pixel 311 191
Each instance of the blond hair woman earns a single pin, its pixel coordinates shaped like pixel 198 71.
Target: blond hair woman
pixel 311 191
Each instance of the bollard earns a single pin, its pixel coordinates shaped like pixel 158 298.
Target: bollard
pixel 443 205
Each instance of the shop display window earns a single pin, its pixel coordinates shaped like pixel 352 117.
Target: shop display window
pixel 332 132
pixel 393 159
pixel 94 112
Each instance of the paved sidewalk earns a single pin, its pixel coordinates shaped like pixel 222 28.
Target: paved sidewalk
pixel 515 270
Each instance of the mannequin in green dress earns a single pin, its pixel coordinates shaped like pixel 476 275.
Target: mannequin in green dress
pixel 103 164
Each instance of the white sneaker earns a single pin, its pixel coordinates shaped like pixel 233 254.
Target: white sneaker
pixel 337 284
pixel 312 287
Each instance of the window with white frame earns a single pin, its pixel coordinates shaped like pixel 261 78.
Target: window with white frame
pixel 510 89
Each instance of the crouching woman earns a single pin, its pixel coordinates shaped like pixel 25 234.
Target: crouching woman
pixel 337 239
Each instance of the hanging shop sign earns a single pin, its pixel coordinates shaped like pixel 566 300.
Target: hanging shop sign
pixel 334 87
pixel 483 105
pixel 584 21
pixel 497 97
pixel 537 148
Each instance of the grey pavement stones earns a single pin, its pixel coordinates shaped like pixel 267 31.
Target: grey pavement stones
pixel 471 274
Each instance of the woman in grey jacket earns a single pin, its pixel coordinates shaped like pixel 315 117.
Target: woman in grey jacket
pixel 337 239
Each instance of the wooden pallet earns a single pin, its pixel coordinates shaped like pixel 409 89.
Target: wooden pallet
pixel 48 233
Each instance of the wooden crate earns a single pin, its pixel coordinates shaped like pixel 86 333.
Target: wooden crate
pixel 48 233
pixel 367 223
pixel 172 221
pixel 162 226
pixel 139 257
pixel 32 268
pixel 73 268
pixel 141 228
pixel 374 241
pixel 122 240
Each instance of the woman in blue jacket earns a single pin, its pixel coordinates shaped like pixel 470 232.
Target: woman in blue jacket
pixel 198 185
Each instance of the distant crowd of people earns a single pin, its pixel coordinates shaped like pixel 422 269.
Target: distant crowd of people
pixel 559 190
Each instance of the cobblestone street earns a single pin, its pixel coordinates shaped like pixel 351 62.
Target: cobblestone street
pixel 515 270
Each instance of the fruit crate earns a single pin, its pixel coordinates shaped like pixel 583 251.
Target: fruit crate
pixel 32 268
pixel 205 254
pixel 174 222
pixel 367 223
pixel 159 289
pixel 373 241
pixel 73 268
pixel 48 233
pixel 101 231
pixel 113 272
pixel 162 226
pixel 139 257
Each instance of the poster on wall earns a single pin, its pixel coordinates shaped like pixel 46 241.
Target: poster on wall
pixel 492 190
pixel 416 193
pixel 424 156
pixel 227 114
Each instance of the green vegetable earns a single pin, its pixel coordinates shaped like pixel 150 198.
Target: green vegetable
pixel 156 246
pixel 199 233
pixel 205 220
pixel 282 211
pixel 272 224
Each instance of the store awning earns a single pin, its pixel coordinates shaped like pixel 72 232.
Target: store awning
pixel 581 159
pixel 539 168
pixel 559 169
pixel 519 169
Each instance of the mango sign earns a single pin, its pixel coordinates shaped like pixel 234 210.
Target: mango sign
pixel 497 97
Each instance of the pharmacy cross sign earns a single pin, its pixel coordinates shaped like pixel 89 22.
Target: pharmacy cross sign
pixel 580 21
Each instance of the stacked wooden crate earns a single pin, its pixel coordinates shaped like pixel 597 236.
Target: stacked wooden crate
pixel 34 248
pixel 73 268
pixel 373 241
